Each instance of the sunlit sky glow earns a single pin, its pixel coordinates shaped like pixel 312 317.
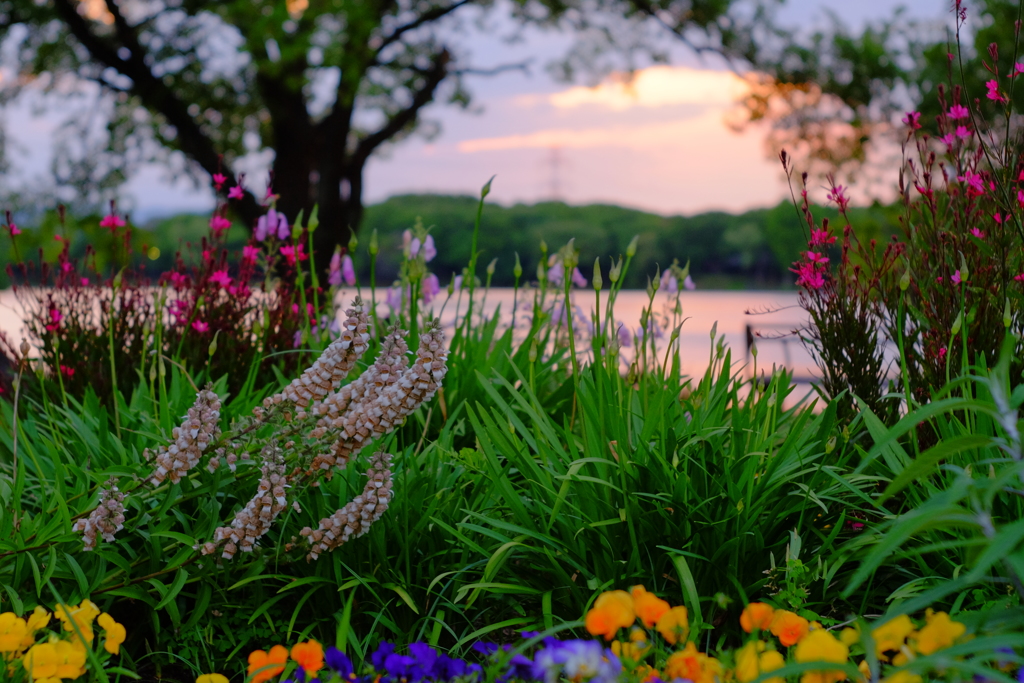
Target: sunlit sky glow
pixel 658 142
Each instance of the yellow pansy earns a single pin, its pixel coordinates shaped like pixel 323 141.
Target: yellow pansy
pixel 821 646
pixel 80 615
pixel 70 658
pixel 41 661
pixel 692 665
pixel 747 667
pixel 114 633
pixel 939 632
pixel 212 678
pixel 889 636
pixel 612 610
pixel 674 625
pixel 13 630
pixel 902 676
pixel 770 661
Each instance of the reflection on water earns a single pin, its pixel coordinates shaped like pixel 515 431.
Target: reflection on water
pixel 701 310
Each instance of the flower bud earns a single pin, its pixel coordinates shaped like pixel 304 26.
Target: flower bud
pixel 615 272
pixel 517 271
pixel 905 279
pixel 118 278
pixel 542 272
pixel 491 267
pixel 714 331
pixel 958 323
pixel 631 249
pixel 314 219
pixel 533 351
pixel 213 344
pixel 753 349
pixel 964 273
pixel 656 282
pixel 598 280
pixel 374 246
pixel 1007 317
pixel 353 242
pixel 543 246
pixel 25 348
pixel 486 189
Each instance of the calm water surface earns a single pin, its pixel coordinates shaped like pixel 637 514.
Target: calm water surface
pixel 731 310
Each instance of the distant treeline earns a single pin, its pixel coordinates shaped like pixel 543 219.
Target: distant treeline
pixel 754 249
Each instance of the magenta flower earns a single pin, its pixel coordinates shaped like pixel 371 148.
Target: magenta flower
pixel 669 283
pixel 14 229
pixel 200 326
pixel 956 277
pixel 112 221
pixel 963 132
pixel 978 233
pixel 1018 69
pixel 293 254
pixel 84 281
pixel 236 192
pixel 993 91
pixel 1020 197
pixel 821 238
pixel 949 139
pixel 942 353
pixel 958 111
pixel 249 253
pixel 815 257
pixel 578 279
pixel 218 180
pixel 1019 278
pixel 220 278
pixel 219 224
pixel 913 119
pixel 348 270
pixel 838 195
pixel 808 275
pixel 974 181
pixel 55 315
pixel 66 266
pixel 431 287
pixel 998 217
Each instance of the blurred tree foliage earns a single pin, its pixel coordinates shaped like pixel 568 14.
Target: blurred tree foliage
pixel 321 85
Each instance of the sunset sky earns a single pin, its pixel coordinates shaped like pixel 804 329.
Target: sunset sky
pixel 659 143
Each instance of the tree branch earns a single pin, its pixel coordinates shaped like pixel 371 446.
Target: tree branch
pixel 423 19
pixel 153 92
pixel 494 71
pixel 423 96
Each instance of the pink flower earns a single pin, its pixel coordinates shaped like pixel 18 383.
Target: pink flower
pixel 14 229
pixel 220 278
pixel 58 238
pixel 1018 69
pixel 578 279
pixel 1020 197
pixel 974 181
pixel 236 192
pixel 978 233
pixel 998 217
pixel 1019 278
pixel 431 287
pixel 993 91
pixel 67 371
pixel 348 270
pixel 84 282
pixel 956 277
pixel 821 238
pixel 66 266
pixel 942 353
pixel 815 257
pixel 949 139
pixel 913 119
pixel 958 111
pixel 808 276
pixel 55 315
pixel 179 280
pixel 249 253
pixel 112 221
pixel 219 224
pixel 200 326
pixel 293 254
pixel 837 195
pixel 218 180
pixel 963 132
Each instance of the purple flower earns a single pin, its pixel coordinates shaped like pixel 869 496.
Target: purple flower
pixel 556 271
pixel 383 651
pixel 348 270
pixel 260 233
pixel 576 660
pixel 427 245
pixel 283 229
pixel 625 338
pixel 688 283
pixel 430 289
pixel 669 283
pixel 394 299
pixel 334 273
pixel 578 279
pixel 457 284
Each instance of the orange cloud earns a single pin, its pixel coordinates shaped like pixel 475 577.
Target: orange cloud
pixel 657 86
